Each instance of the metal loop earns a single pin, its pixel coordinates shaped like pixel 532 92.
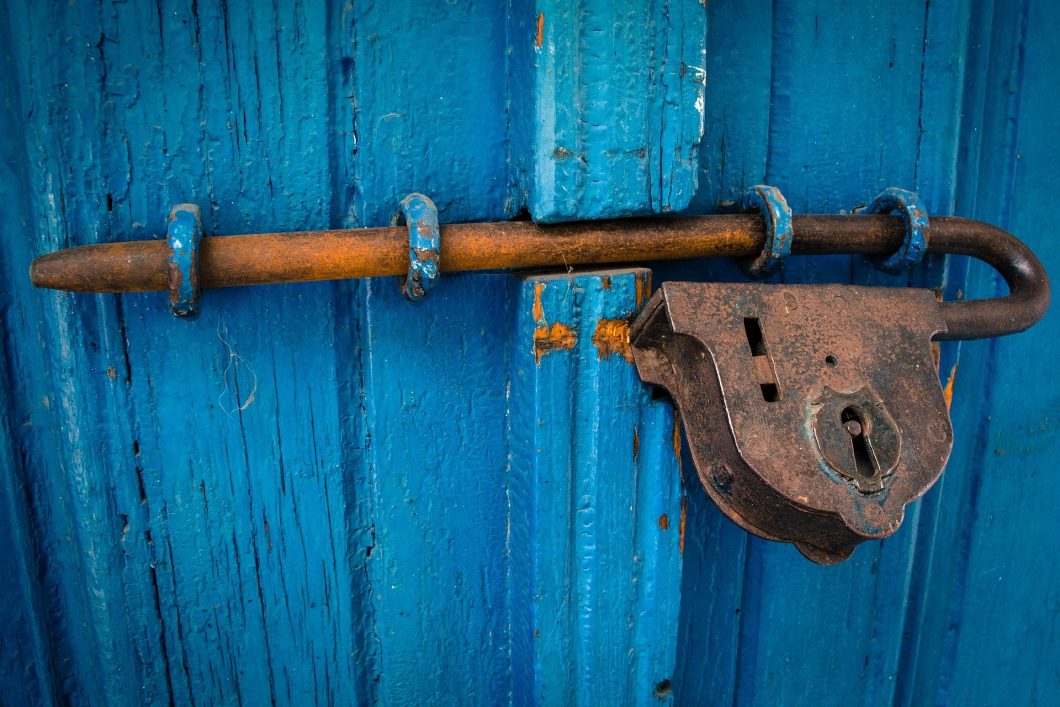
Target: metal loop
pixel 421 215
pixel 916 227
pixel 774 208
pixel 184 234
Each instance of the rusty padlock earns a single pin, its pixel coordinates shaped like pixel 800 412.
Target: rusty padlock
pixel 814 413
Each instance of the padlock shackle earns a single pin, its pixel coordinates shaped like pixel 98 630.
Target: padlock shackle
pixel 256 259
pixel 1028 283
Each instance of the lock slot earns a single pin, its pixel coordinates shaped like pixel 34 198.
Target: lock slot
pixel 763 363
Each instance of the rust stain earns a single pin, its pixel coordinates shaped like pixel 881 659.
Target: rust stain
pixel 112 373
pixel 555 337
pixel 636 444
pixel 539 311
pixel 677 436
pixel 642 286
pixel 947 392
pixel 664 522
pixel 612 337
pixel 681 525
pixel 605 282
pixel 540 39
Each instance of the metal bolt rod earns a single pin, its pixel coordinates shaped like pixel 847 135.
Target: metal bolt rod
pixel 228 261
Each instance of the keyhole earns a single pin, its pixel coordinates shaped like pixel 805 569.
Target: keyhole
pixel 854 424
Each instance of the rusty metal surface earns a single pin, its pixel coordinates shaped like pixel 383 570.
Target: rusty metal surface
pixel 769 378
pixel 325 255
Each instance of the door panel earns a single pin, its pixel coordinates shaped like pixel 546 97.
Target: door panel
pixel 321 493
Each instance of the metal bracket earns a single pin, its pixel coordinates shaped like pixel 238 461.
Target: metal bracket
pixel 814 414
pixel 184 235
pixel 779 231
pixel 425 244
pixel 915 244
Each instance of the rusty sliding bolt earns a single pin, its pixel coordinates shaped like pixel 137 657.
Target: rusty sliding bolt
pixel 258 259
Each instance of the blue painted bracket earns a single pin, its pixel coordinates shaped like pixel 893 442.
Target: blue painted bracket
pixel 779 232
pixel 425 243
pixel 184 233
pixel 914 246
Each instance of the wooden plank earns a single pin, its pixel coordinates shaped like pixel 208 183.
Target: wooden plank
pixel 428 115
pixel 193 548
pixel 988 632
pixel 595 500
pixel 27 670
pixel 606 104
pixel 845 119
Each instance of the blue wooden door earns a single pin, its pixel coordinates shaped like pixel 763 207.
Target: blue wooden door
pixel 321 494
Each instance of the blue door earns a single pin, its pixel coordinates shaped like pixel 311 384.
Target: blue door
pixel 323 494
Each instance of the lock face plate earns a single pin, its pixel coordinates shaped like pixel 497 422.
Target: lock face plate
pixel 814 413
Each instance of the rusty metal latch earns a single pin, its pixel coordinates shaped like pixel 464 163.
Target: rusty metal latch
pixel 814 414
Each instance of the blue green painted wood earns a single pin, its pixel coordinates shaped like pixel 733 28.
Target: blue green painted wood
pixel 594 497
pixel 429 381
pixel 997 583
pixel 320 494
pixel 881 628
pixel 867 132
pixel 605 94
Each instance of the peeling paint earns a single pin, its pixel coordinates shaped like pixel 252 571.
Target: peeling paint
pixel 677 435
pixel 555 337
pixel 947 391
pixel 612 337
pixel 664 522
pixel 539 311
pixel 643 289
pixel 681 525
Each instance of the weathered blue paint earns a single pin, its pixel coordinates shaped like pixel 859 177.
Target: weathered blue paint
pixel 606 106
pixel 184 233
pixel 428 460
pixel 888 626
pixel 988 582
pixel 425 245
pixel 745 638
pixel 914 247
pixel 595 499
pixel 311 495
pixel 777 216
